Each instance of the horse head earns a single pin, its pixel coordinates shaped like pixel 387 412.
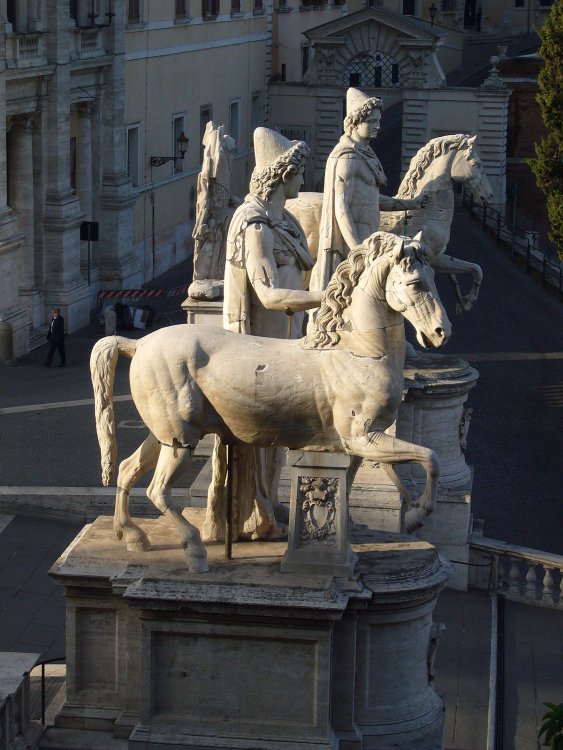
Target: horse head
pixel 410 290
pixel 467 168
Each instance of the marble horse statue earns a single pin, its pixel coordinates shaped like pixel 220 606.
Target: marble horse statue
pixel 433 171
pixel 337 389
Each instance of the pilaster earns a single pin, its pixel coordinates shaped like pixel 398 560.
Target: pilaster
pixel 118 264
pixel 64 285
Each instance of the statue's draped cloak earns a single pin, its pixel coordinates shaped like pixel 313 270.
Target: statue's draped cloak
pixel 289 238
pixel 332 247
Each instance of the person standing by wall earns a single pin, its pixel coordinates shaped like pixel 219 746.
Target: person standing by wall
pixel 56 338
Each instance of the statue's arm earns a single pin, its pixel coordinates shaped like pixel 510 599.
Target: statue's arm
pixel 344 184
pixel 263 275
pixel 402 204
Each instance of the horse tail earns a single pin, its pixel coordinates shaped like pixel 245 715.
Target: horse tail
pixel 102 370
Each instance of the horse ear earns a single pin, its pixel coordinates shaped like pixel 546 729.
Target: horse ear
pixel 418 236
pixel 471 141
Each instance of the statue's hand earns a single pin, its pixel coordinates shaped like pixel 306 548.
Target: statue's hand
pixel 421 201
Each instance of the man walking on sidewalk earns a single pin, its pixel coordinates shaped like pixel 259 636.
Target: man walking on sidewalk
pixel 56 338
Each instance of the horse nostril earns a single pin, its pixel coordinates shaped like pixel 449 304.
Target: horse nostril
pixel 440 332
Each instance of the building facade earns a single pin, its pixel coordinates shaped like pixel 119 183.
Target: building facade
pixel 90 91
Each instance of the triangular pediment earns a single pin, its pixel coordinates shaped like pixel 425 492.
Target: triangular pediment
pixel 405 27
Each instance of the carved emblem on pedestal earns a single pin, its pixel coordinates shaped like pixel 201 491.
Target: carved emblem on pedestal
pixel 319 502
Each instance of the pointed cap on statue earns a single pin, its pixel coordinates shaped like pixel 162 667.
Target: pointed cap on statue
pixel 356 100
pixel 269 146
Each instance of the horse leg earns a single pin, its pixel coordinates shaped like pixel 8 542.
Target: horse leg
pixel 379 446
pixel 130 470
pixel 449 264
pixel 171 463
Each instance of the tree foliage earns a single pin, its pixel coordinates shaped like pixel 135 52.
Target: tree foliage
pixel 548 165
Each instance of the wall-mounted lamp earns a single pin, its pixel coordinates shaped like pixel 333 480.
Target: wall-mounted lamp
pixel 432 10
pixel 182 141
pixel 93 15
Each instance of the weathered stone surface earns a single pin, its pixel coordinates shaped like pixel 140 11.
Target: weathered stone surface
pixel 245 656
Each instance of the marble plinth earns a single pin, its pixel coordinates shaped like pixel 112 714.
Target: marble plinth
pixel 208 312
pixel 433 414
pixel 246 656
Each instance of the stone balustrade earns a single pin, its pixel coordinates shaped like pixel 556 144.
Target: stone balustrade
pixel 16 728
pixel 25 50
pixel 522 574
pixel 89 43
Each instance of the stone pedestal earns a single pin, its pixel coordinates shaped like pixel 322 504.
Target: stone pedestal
pixel 433 414
pixel 319 519
pixel 204 311
pixel 246 656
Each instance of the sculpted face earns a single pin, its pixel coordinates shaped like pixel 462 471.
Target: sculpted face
pixel 293 183
pixel 369 128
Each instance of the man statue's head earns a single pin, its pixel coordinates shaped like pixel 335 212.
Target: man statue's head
pixel 360 109
pixel 277 159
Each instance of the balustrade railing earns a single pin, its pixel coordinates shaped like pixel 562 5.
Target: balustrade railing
pixel 527 246
pixel 89 42
pixel 519 573
pixel 24 50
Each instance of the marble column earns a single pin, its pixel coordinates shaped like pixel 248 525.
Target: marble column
pixel 20 167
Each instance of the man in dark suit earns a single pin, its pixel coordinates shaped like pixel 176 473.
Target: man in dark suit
pixel 56 338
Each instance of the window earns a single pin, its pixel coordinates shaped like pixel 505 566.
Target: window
pixel 178 128
pixel 519 3
pixel 11 11
pixel 181 9
pixel 205 116
pixel 234 121
pixel 372 70
pixel 133 153
pixel 258 7
pixel 305 53
pixel 235 7
pixel 210 8
pixel 133 11
pixel 73 9
pixel 256 117
pixel 409 7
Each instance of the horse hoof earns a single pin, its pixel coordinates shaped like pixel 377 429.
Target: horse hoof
pixel 139 545
pixel 118 534
pixel 413 520
pixel 197 564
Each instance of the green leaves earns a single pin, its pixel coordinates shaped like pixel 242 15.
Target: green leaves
pixel 548 164
pixel 552 726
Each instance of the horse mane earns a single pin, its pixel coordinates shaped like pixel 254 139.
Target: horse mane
pixel 424 157
pixel 338 294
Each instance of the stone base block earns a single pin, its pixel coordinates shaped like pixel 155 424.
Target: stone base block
pixel 246 657
pixel 147 738
pixel 209 312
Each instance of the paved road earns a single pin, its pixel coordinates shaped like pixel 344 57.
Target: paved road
pixel 514 337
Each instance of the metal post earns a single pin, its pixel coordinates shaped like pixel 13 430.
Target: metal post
pixel 229 509
pixel 543 269
pixel 498 226
pixel 485 215
pixel 43 694
pixel 527 256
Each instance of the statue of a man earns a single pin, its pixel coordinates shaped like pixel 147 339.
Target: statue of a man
pixel 267 257
pixel 351 197
pixel 214 209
